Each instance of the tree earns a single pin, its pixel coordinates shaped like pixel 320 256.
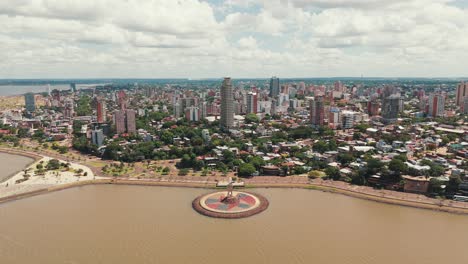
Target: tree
pixel 53 164
pixel 246 170
pixel 251 118
pixel 397 166
pixel 333 173
pixel 345 158
pixel 374 166
pixel 320 146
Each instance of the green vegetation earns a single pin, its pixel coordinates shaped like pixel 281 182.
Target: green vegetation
pixel 83 107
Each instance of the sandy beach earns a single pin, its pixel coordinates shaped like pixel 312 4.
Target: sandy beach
pixel 16 185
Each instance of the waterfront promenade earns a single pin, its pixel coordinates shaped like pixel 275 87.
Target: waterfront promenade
pixel 363 192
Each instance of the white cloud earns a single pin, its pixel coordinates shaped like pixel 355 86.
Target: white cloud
pixel 249 38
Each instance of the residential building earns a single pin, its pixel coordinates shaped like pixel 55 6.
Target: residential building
pixel 101 111
pixel 317 111
pixel 461 94
pixel 391 108
pixel 97 137
pixel 125 121
pixel 252 104
pixel 436 105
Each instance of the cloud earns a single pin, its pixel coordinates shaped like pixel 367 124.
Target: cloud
pixel 248 38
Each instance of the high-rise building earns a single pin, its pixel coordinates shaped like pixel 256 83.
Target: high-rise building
pixel 317 111
pixel 73 87
pixel 273 109
pixel 373 108
pixel 125 121
pixel 436 105
pixel 204 113
pixel 30 102
pixel 274 87
pixel 119 120
pixel 227 104
pixel 391 108
pixel 461 94
pixel 122 97
pixel 334 117
pixel 177 110
pixel 68 110
pixel 347 119
pixel 192 113
pixel 101 111
pixel 131 121
pixel 252 103
pixel 97 137
pixel 465 105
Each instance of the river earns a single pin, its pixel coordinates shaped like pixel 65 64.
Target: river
pixel 11 164
pixel 137 224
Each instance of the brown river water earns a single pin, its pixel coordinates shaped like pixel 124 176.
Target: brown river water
pixel 11 164
pixel 137 224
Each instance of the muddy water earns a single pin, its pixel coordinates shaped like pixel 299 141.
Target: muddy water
pixel 135 224
pixel 11 164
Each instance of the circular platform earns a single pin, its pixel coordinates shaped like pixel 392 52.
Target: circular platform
pixel 245 205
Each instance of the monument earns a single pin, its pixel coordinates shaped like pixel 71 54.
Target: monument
pixel 230 204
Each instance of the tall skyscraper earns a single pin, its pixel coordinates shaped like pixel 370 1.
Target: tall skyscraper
pixel 461 93
pixel 317 111
pixel 73 87
pixel 252 103
pixel 274 87
pixel 391 108
pixel 227 104
pixel 30 102
pixel 101 111
pixel 436 105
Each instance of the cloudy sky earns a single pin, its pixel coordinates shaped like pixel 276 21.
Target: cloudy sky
pixel 238 38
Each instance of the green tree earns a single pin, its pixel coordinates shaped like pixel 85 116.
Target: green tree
pixel 246 170
pixel 320 146
pixel 397 166
pixel 53 164
pixel 333 173
pixel 251 118
pixel 345 158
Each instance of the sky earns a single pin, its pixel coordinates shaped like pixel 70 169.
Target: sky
pixel 237 38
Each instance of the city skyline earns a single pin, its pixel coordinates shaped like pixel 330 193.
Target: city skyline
pixel 241 39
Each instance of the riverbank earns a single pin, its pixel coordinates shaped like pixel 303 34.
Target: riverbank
pixel 16 163
pixel 362 192
pixel 388 200
pixel 35 178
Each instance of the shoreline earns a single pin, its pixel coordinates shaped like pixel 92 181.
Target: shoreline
pixel 334 190
pixel 34 158
pixel 429 203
